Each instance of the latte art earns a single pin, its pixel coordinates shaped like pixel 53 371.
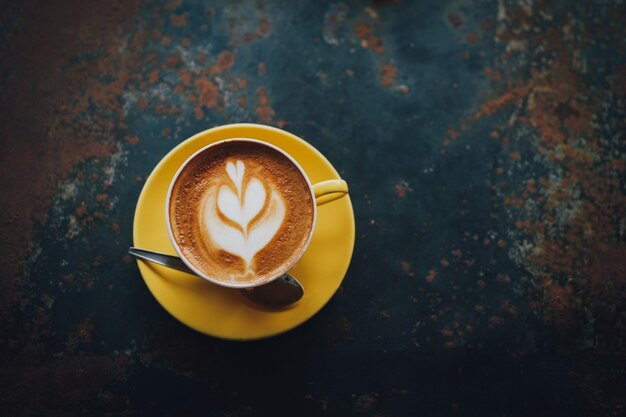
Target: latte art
pixel 241 212
pixel 237 233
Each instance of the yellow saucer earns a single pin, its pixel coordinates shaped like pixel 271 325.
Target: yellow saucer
pixel 224 312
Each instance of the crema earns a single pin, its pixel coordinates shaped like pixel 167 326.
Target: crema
pixel 241 212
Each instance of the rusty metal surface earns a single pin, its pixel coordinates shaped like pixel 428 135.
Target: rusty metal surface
pixel 484 145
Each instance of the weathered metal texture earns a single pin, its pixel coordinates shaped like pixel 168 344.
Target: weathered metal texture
pixel 484 146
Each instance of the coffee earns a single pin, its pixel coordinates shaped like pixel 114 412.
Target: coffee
pixel 241 212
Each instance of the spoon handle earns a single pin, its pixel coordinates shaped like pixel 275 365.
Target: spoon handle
pixel 160 258
pixel 278 293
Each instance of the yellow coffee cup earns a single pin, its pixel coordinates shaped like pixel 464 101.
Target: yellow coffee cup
pixel 322 193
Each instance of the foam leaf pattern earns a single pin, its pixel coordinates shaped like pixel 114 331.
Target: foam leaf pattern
pixel 264 230
pixel 242 208
pixel 231 205
pixel 235 172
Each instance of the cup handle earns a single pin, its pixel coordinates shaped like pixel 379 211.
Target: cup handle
pixel 330 190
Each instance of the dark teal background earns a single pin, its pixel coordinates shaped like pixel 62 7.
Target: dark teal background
pixel 483 142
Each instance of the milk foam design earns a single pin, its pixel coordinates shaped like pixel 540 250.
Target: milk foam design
pixel 241 205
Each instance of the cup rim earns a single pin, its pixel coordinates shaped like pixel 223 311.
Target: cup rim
pixel 175 243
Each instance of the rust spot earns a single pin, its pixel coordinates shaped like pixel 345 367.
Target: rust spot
pixel 179 20
pixel 362 30
pixel 185 76
pixel 431 275
pixel 494 75
pixel 81 335
pixel 455 20
pixel 368 39
pixel 365 402
pixel 164 109
pixel 387 75
pixel 262 68
pixel 400 190
pixel 472 38
pixel 263 110
pixel 208 93
pixel 509 308
pixel 242 83
pixel 495 321
pixel 225 60
pixel 503 278
pixel 81 210
pixel 262 31
pixel 153 77
pixel 198 114
pixel 172 5
pixel 558 302
pixel 619 165
pixel 264 27
pixel 385 314
pixel 490 107
pixel 406 268
pixel 174 60
pixel 133 139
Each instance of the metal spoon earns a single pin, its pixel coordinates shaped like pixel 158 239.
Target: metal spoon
pixel 279 293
